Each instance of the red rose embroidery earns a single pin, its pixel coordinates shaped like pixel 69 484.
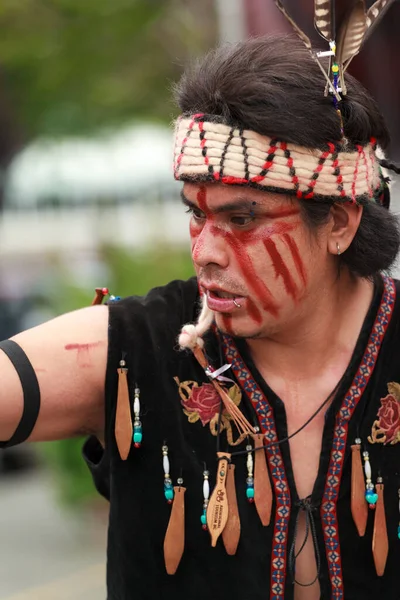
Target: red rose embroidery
pixel 204 400
pixel 389 417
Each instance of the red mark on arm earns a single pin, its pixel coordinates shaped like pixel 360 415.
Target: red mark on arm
pixel 296 256
pixel 280 267
pixel 83 352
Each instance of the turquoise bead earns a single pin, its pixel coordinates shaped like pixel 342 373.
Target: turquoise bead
pixel 137 437
pixel 203 519
pixel 250 492
pixel 371 497
pixel 398 532
pixel 169 493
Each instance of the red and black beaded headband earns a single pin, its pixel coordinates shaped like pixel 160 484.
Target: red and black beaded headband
pixel 207 150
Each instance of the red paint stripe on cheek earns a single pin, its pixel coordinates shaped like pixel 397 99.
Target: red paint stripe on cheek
pixel 296 256
pixel 253 311
pixel 261 233
pixel 280 267
pixel 252 279
pixel 227 323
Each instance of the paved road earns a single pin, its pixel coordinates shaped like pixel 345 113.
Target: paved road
pixel 47 553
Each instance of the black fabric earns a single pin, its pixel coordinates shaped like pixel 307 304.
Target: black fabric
pixel 145 329
pixel 99 465
pixel 31 391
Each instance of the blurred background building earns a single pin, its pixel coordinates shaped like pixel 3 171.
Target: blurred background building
pixel 87 198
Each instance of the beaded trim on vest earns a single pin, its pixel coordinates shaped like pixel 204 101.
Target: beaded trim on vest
pixel 206 151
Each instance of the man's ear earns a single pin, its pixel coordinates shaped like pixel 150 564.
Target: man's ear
pixel 344 224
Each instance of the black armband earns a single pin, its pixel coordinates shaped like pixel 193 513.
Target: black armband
pixel 31 391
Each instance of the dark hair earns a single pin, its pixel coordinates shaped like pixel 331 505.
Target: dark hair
pixel 274 87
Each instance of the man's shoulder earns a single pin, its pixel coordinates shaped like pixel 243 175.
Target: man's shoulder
pixel 170 305
pixel 175 293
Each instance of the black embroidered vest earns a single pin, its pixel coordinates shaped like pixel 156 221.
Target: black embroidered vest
pixel 145 331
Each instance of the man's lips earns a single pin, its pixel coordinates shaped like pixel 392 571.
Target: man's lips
pixel 223 301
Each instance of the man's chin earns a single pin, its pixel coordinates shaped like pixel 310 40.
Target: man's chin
pixel 238 326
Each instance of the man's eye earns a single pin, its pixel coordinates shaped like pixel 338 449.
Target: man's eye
pixel 243 220
pixel 195 212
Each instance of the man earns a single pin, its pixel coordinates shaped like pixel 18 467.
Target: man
pixel 289 329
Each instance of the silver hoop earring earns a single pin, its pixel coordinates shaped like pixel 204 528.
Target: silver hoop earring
pixel 237 304
pixel 338 249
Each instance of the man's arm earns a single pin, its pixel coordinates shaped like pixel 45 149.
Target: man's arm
pixel 69 356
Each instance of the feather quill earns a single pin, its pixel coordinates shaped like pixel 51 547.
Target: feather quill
pixel 305 39
pixel 323 19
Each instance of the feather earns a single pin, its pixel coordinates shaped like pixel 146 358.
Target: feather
pixel 375 14
pixel 323 21
pixel 351 33
pixel 305 39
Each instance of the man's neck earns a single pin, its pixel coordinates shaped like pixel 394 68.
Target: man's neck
pixel 323 335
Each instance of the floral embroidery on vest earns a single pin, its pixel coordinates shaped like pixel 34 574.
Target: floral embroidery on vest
pixel 386 428
pixel 202 402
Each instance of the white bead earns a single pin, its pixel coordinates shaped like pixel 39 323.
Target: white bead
pixel 367 469
pixel 136 406
pixel 206 489
pixel 166 464
pixel 250 464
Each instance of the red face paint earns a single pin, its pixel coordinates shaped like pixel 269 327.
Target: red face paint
pixel 227 323
pixel 195 228
pixel 283 212
pixel 280 267
pixel 253 311
pixel 238 242
pixel 296 256
pixel 260 233
pixel 202 199
pixel 250 274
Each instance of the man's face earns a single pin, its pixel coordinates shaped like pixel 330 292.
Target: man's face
pixel 255 259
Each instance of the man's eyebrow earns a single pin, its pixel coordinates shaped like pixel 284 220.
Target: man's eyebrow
pixel 239 204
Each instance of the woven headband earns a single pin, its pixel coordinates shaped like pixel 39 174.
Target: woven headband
pixel 206 151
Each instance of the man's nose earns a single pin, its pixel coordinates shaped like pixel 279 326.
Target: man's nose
pixel 210 247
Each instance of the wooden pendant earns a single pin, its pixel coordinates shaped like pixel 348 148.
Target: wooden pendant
pixel 217 510
pixel 174 541
pixel 359 506
pixel 262 483
pixel 380 542
pixel 231 532
pixel 99 295
pixel 123 418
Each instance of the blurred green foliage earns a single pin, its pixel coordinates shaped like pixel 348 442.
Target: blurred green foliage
pixel 71 66
pixel 129 274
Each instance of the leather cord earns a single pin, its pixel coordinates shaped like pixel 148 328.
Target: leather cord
pixel 306 506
